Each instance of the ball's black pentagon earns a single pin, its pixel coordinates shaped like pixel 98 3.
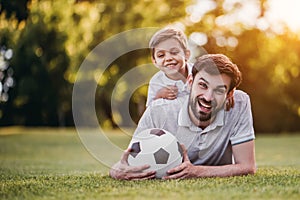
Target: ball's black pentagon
pixel 180 149
pixel 161 156
pixel 135 149
pixel 157 132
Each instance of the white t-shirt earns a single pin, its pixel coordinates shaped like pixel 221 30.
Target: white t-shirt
pixel 160 80
pixel 212 145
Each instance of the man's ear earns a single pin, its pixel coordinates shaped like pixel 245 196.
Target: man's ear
pixel 230 94
pixel 190 81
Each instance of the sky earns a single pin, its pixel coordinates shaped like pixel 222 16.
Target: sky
pixel 287 11
pixel 278 13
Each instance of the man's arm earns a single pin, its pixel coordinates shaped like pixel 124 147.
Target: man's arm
pixel 244 155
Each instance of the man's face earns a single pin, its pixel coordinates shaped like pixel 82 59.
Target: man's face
pixel 207 96
pixel 169 57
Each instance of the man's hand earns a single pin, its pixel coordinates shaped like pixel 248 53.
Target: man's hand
pixel 244 155
pixel 170 92
pixel 185 170
pixel 122 170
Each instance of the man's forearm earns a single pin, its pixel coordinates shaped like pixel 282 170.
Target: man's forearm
pixel 224 171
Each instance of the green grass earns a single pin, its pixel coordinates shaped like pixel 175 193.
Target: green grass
pixel 53 164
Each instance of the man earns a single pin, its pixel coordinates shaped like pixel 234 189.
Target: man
pixel 216 143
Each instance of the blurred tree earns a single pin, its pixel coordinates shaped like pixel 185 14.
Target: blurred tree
pixel 51 39
pixel 39 96
pixel 105 19
pixel 17 8
pixel 269 62
pixel 54 40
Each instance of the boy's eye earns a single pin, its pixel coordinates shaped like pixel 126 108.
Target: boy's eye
pixel 160 55
pixel 174 52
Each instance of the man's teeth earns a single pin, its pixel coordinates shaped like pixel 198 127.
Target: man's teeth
pixel 205 105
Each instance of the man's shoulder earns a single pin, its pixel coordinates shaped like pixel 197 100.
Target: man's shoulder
pixel 241 103
pixel 240 96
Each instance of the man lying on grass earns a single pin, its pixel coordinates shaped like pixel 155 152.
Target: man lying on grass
pixel 216 143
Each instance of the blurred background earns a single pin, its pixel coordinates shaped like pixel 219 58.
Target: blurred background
pixel 43 43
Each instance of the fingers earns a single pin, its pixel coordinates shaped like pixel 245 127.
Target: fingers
pixel 124 157
pixel 137 173
pixel 141 176
pixel 177 172
pixel 180 167
pixel 180 171
pixel 171 92
pixel 173 87
pixel 229 104
pixel 136 169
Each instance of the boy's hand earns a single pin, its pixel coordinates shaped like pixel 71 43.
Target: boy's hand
pixel 229 103
pixel 170 92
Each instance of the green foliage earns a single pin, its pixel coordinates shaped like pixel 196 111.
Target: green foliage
pixel 269 63
pixel 51 45
pixel 39 62
pixel 51 39
pixel 52 163
pixel 17 8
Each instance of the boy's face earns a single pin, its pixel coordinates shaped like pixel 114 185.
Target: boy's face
pixel 169 57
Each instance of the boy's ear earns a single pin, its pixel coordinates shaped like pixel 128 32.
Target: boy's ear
pixel 153 60
pixel 190 81
pixel 187 54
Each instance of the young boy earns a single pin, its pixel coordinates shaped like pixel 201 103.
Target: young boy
pixel 169 52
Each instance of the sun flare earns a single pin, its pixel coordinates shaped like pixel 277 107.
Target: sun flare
pixel 286 11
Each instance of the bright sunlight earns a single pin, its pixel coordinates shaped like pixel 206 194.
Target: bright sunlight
pixel 285 11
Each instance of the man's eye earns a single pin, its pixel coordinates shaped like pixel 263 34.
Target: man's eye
pixel 160 55
pixel 202 85
pixel 220 91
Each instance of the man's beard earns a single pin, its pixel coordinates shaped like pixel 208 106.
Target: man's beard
pixel 200 115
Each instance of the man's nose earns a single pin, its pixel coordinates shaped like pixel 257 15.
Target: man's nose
pixel 209 95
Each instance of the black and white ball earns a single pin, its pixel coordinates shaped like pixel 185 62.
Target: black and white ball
pixel 156 147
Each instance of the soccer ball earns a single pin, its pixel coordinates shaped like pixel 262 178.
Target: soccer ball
pixel 156 147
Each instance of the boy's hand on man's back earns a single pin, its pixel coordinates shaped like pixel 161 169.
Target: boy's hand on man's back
pixel 170 92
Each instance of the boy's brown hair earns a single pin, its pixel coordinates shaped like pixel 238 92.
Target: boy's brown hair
pixel 165 34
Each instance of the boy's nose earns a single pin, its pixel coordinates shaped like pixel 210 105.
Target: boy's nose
pixel 168 56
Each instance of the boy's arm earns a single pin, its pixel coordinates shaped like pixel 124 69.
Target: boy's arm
pixel 169 92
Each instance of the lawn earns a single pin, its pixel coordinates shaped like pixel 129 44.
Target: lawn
pixel 43 163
